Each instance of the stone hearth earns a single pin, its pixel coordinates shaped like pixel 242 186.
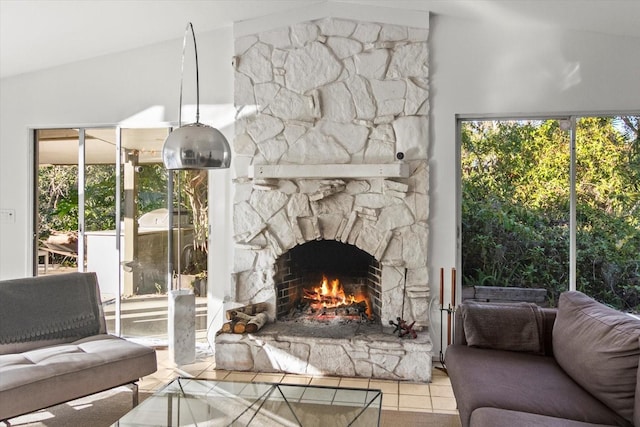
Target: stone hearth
pixel 313 98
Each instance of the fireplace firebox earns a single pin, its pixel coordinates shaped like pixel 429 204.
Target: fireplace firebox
pixel 327 281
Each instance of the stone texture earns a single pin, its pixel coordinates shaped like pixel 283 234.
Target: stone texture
pixel 338 204
pixel 242 90
pixel 416 100
pixel 367 32
pixel 278 38
pixel 244 145
pixel 351 136
pixel 264 127
pixel 408 61
pixel 310 67
pixel 292 132
pixel 333 359
pixel 290 105
pixel 273 149
pixel 389 96
pixel 298 206
pixel 267 203
pixel 374 353
pixel 372 64
pixel 264 94
pixel 303 33
pixel 336 27
pixel 331 92
pixel 256 63
pixel 337 104
pixel 393 33
pixel 237 355
pixel 415 246
pixel 379 151
pixel 412 136
pixel 245 218
pixel 343 47
pixel 314 148
pixel 365 106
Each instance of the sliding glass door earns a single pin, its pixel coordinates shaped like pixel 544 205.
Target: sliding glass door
pixel 101 206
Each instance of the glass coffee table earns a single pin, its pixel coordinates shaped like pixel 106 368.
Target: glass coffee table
pixel 193 402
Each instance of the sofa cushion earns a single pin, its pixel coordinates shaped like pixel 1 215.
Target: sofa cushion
pixel 495 417
pixel 598 347
pixel 50 375
pixel 506 326
pixel 520 382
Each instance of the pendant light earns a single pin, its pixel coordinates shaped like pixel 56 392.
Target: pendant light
pixel 195 145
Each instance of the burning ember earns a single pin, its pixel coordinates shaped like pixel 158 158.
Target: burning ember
pixel 330 299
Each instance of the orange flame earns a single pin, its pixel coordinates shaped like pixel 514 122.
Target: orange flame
pixel 332 295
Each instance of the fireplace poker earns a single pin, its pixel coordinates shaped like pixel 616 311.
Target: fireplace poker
pixel 404 291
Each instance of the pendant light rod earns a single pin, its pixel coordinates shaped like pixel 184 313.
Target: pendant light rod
pixel 195 51
pixel 195 145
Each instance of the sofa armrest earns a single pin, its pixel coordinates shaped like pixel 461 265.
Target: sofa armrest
pixel 491 325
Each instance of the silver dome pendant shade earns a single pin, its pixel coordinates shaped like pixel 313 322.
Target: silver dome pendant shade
pixel 195 145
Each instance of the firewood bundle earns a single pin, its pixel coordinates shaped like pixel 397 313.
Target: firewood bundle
pixel 247 319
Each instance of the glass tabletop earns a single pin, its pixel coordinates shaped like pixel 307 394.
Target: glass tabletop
pixel 192 402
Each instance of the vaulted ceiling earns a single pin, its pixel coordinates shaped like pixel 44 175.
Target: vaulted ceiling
pixel 39 34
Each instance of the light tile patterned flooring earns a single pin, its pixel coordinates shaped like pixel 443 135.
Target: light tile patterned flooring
pixel 435 397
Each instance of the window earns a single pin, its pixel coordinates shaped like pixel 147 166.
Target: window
pixel 529 221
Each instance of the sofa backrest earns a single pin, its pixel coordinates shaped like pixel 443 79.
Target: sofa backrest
pixel 636 405
pixel 599 348
pixel 45 310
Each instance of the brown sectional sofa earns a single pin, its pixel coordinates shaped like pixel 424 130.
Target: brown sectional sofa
pixel 54 346
pixel 518 364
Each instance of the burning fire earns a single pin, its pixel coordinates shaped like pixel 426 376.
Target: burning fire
pixel 331 295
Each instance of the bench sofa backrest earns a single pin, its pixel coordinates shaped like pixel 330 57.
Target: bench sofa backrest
pixel 45 310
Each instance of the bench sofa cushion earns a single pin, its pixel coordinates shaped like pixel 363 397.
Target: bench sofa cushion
pixel 522 382
pixel 50 375
pixel 495 417
pixel 598 347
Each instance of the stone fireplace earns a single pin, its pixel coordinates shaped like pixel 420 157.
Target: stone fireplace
pixel 332 182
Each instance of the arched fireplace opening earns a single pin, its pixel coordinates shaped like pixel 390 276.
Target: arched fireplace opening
pixel 327 281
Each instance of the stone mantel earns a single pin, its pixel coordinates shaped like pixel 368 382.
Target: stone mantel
pixel 387 170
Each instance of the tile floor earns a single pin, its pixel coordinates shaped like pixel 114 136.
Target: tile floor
pixel 435 397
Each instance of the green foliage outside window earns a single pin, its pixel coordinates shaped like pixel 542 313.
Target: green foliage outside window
pixel 515 207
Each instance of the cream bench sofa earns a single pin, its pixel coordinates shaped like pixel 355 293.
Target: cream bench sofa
pixel 54 346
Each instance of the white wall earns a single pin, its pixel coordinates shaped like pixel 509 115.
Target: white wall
pixel 476 68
